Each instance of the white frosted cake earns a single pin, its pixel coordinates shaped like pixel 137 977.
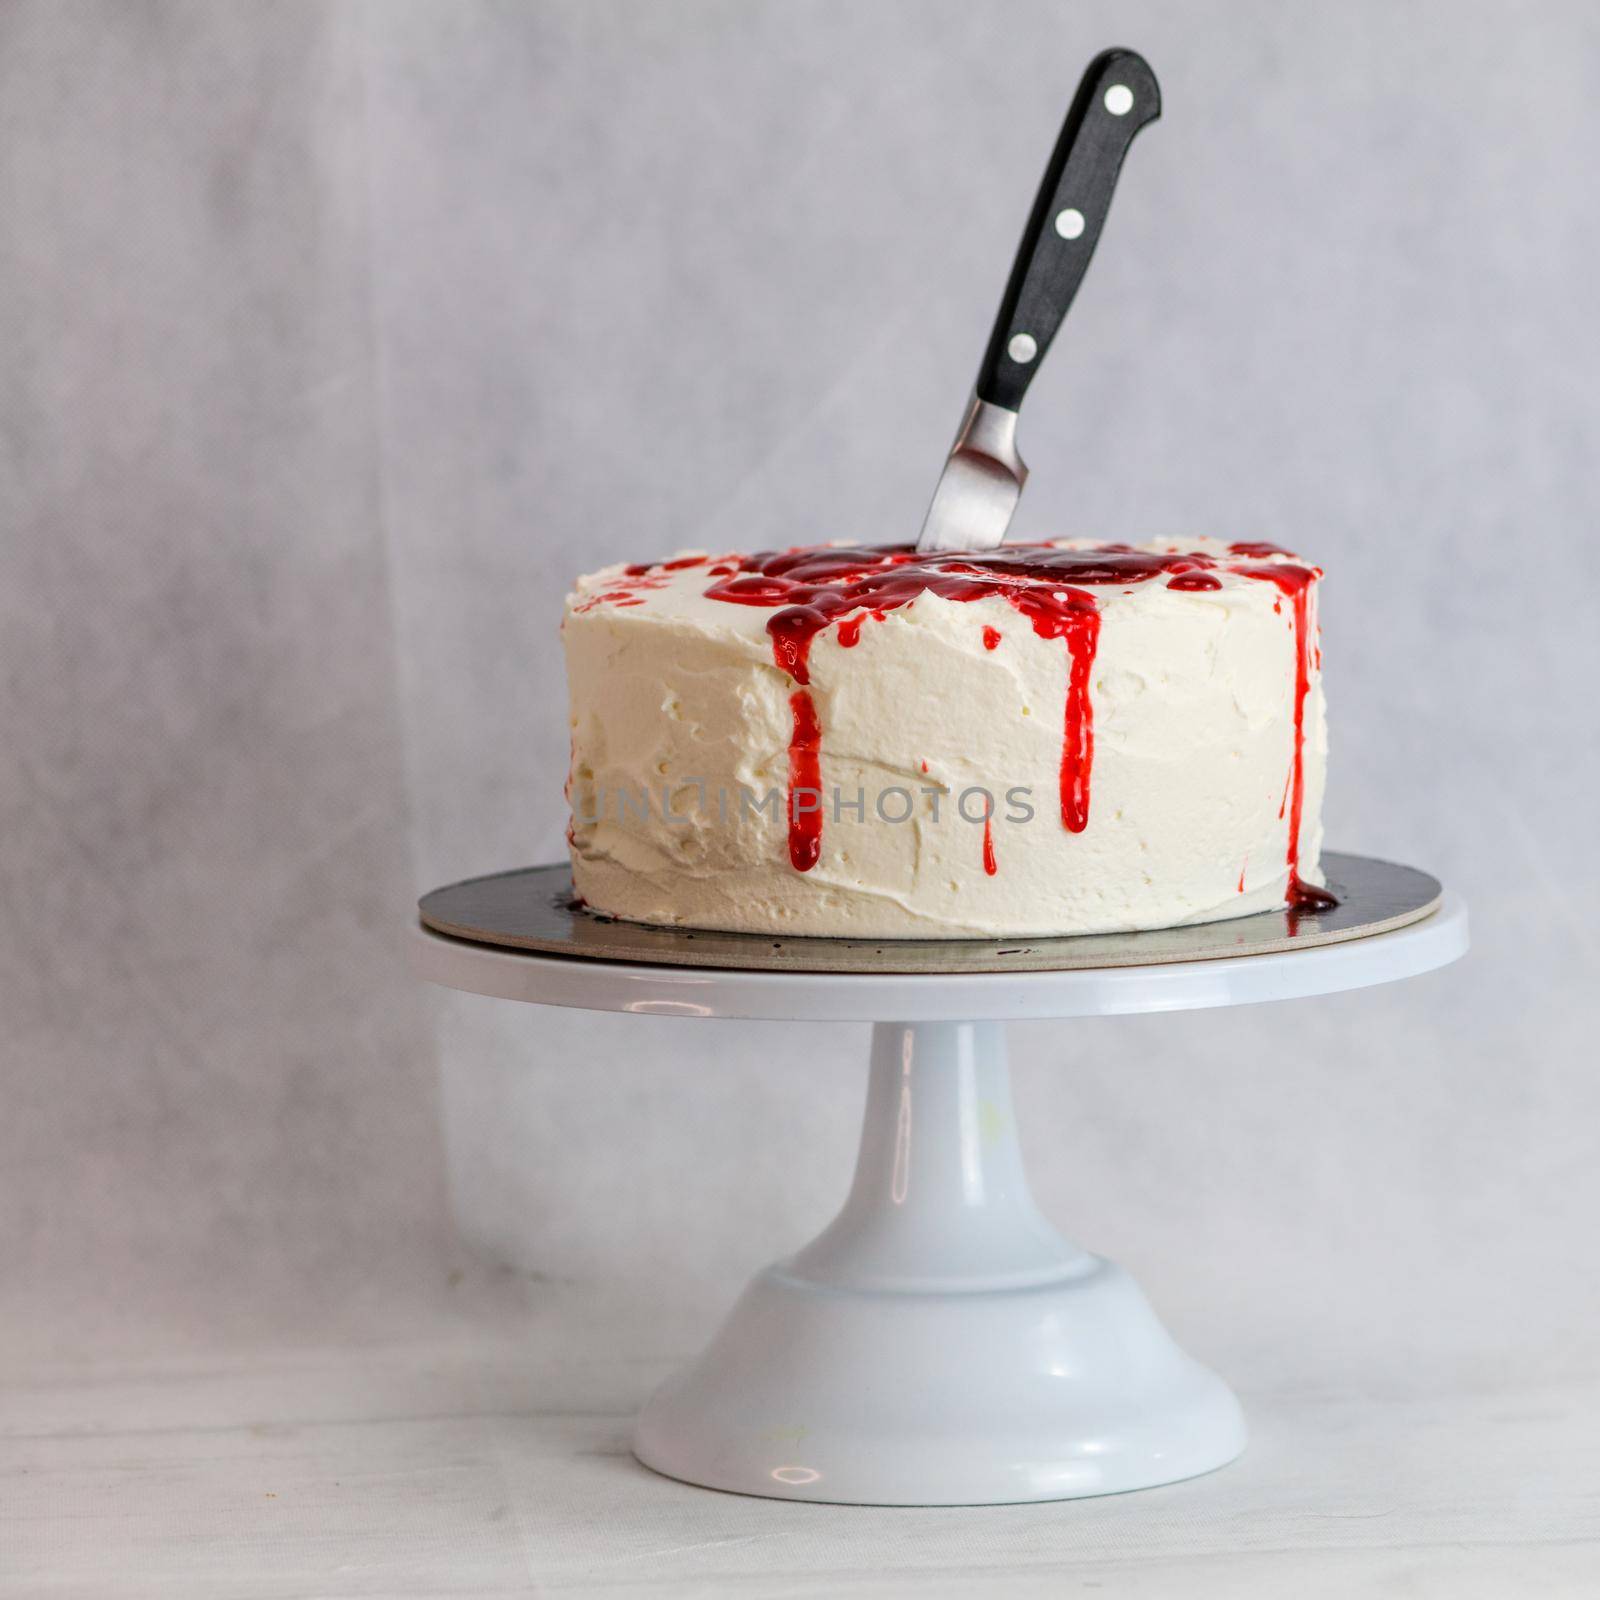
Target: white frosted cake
pixel 864 742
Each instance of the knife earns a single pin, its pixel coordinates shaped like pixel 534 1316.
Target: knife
pixel 983 478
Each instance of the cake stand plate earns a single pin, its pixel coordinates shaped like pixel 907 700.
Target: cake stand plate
pixel 939 1343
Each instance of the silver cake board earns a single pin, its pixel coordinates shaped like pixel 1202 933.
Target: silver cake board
pixel 533 909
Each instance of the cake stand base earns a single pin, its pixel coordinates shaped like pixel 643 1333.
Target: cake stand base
pixel 940 1343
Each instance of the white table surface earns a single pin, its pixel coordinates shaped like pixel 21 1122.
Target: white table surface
pixel 491 1460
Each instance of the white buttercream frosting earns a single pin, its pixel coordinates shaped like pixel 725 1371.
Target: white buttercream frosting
pixel 682 723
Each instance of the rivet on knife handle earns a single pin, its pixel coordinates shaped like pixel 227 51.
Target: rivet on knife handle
pixel 978 492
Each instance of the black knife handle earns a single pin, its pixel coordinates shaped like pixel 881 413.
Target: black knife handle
pixel 1067 217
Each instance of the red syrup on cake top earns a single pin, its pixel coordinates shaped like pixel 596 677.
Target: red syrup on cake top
pixel 812 588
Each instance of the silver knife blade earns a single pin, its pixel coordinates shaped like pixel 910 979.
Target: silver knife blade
pixel 980 485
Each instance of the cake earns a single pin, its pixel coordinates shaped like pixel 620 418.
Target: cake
pixel 869 742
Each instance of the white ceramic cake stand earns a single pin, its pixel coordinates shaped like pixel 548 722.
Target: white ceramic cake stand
pixel 939 1343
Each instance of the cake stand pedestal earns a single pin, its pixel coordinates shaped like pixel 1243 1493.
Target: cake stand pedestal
pixel 940 1343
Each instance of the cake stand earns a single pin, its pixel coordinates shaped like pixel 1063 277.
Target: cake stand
pixel 939 1343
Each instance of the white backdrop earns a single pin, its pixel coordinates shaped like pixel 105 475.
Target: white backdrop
pixel 339 336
